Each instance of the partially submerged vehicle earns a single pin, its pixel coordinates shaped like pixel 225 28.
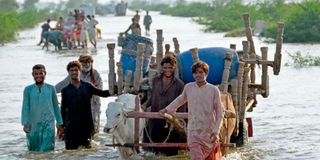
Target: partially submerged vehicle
pixel 233 71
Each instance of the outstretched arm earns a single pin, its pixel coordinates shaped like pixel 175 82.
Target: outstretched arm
pixel 128 29
pixel 174 105
pixel 99 92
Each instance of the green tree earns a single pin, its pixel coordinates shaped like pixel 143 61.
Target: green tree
pixel 8 5
pixel 304 24
pixel 221 3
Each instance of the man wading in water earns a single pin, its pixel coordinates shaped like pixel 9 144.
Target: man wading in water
pixel 76 108
pixel 91 75
pixel 39 110
pixel 205 114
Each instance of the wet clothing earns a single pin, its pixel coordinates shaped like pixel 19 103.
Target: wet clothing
pixel 204 116
pixel 200 151
pixel 160 98
pixel 84 31
pixel 39 110
pixel 45 31
pixel 76 113
pixel 92 30
pixel 95 100
pixel 45 27
pixel 147 20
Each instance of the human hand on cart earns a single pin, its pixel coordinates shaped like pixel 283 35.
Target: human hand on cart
pixel 163 112
pixel 214 137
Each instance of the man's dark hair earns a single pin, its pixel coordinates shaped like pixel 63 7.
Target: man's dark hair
pixel 39 66
pixel 169 59
pixel 202 65
pixel 74 64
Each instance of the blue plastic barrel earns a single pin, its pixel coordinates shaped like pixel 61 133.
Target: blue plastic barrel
pixel 129 63
pixel 214 57
pixel 131 42
pixel 128 53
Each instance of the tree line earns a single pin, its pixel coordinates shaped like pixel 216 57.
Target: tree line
pixel 301 19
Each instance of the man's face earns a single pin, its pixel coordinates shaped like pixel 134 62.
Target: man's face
pixel 39 75
pixel 199 75
pixel 168 70
pixel 86 66
pixel 74 73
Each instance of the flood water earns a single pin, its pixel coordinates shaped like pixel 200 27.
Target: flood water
pixel 286 125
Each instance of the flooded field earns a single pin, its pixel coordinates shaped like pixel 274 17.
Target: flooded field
pixel 286 125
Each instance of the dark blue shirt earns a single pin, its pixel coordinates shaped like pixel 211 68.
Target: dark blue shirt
pixel 76 111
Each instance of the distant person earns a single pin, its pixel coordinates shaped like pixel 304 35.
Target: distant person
pixel 76 108
pixel 92 31
pixel 96 22
pixel 98 30
pixel 168 52
pixel 90 75
pixel 134 27
pixel 68 30
pixel 40 109
pixel 45 29
pixel 137 17
pixel 205 114
pixel 84 35
pixel 77 31
pixel 60 24
pixel 77 15
pixel 147 20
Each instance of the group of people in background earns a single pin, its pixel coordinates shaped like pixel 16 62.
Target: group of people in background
pixel 76 30
pixel 135 26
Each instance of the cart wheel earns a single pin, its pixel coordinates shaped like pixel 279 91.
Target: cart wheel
pixel 242 138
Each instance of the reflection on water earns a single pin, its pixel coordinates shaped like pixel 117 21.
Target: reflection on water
pixel 286 125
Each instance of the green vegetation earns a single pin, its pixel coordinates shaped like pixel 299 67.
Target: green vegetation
pixel 7 6
pixel 11 22
pixel 12 19
pixel 299 61
pixel 301 20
